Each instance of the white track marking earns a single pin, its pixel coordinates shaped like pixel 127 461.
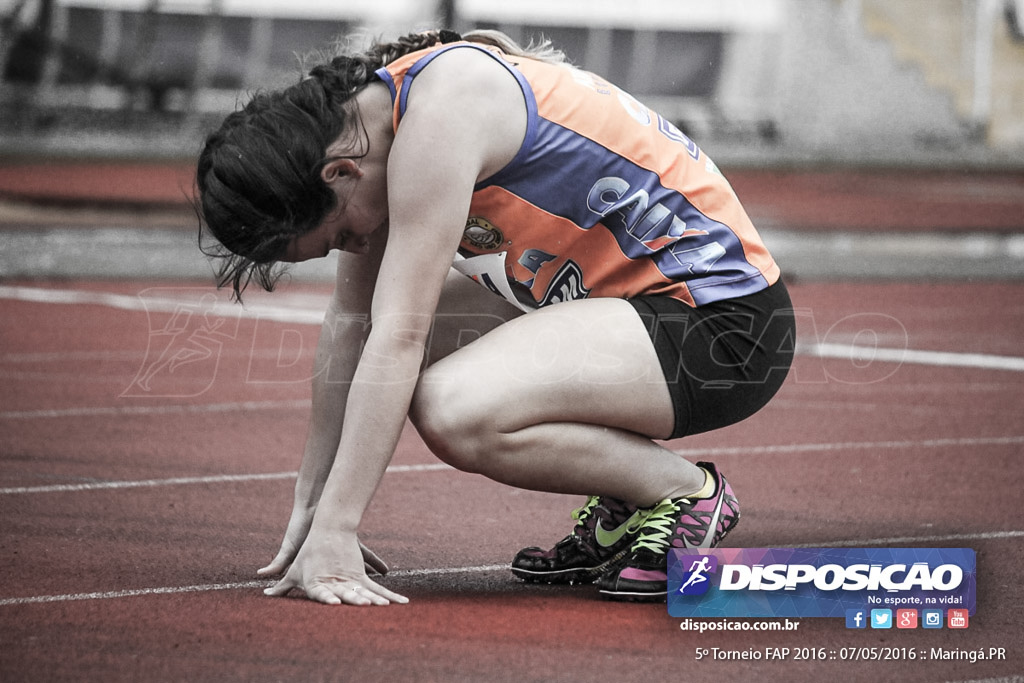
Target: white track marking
pixel 124 302
pixel 440 467
pixel 983 361
pixel 477 569
pixel 179 481
pixel 147 483
pixel 869 542
pixel 851 446
pixel 180 409
pixel 241 585
pixel 109 595
pixel 311 316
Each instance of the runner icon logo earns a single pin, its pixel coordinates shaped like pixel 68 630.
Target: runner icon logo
pixel 695 580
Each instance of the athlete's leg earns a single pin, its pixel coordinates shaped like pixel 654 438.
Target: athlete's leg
pixel 465 312
pixel 566 399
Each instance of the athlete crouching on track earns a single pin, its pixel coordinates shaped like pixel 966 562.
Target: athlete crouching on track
pixel 659 312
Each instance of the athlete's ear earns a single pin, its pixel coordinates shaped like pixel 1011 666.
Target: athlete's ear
pixel 339 168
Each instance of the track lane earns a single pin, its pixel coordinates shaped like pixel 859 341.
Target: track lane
pixel 845 453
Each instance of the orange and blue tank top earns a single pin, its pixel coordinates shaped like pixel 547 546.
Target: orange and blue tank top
pixel 605 197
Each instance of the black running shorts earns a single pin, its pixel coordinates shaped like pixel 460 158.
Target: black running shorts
pixel 722 361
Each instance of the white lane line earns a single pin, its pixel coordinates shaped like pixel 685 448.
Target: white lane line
pixel 298 314
pixel 477 569
pixel 851 446
pixel 147 483
pixel 438 467
pixel 863 354
pixel 109 595
pixel 180 409
pixel 179 481
pixel 946 538
pixel 154 304
pixel 204 588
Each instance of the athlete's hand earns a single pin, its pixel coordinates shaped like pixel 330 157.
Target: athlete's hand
pixel 331 571
pixel 295 536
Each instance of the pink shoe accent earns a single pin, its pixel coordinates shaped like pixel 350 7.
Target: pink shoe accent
pixel 636 574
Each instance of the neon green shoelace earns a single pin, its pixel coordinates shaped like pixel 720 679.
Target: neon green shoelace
pixel 658 528
pixel 582 513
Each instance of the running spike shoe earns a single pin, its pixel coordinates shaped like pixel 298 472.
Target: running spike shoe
pixel 604 531
pixel 673 523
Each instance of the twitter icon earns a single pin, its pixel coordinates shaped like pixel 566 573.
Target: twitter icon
pixel 881 618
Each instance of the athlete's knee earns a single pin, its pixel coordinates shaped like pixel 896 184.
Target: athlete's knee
pixel 451 423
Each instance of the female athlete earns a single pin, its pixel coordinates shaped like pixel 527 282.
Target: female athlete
pixel 614 289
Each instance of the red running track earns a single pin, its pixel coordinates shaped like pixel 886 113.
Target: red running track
pixel 134 513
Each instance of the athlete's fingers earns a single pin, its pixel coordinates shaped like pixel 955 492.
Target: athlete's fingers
pixel 360 594
pixel 372 561
pixel 385 593
pixel 319 592
pixel 281 587
pixel 330 593
pixel 277 566
pixel 363 596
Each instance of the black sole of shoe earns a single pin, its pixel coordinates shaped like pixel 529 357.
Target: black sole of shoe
pixel 634 597
pixel 565 577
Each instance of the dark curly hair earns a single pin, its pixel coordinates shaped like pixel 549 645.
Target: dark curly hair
pixel 258 176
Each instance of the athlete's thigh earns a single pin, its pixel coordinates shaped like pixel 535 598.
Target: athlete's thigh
pixel 465 312
pixel 589 361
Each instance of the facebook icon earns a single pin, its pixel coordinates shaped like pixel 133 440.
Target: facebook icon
pixel 856 618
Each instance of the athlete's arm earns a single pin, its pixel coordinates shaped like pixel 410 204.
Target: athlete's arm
pixel 344 330
pixel 465 120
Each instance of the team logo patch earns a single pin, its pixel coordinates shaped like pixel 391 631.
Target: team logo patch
pixel 567 285
pixel 482 234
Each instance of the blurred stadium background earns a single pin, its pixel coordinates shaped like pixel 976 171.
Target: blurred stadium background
pixel 760 84
pixel 846 80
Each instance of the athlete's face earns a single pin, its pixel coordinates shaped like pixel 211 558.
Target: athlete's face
pixel 362 209
pixel 357 174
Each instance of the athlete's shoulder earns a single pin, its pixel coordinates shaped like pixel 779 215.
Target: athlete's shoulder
pixel 463 98
pixel 466 64
pixel 461 56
